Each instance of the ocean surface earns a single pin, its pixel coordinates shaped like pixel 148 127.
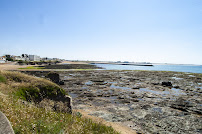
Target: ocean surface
pixel 176 68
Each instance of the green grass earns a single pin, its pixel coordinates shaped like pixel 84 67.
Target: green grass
pixel 37 93
pixel 27 118
pixel 33 67
pixel 2 78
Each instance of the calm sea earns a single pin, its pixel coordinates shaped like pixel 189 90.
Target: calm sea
pixel 176 68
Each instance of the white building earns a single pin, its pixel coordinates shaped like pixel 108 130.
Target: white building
pixel 56 59
pixel 34 58
pixel 18 58
pixel 2 59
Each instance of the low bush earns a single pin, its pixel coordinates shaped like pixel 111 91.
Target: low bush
pixel 36 94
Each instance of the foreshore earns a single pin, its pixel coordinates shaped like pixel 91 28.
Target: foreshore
pixel 141 101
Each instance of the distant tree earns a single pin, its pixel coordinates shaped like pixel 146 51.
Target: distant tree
pixel 8 56
pixel 9 59
pixel 20 61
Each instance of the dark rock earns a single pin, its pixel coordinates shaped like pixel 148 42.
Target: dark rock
pixel 61 83
pixel 77 83
pixel 54 77
pixel 125 101
pixel 136 87
pixel 155 83
pixel 99 81
pixel 168 84
pixel 121 97
pixel 135 100
pixel 133 96
pixel 176 87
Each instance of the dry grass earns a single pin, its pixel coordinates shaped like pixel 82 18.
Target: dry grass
pixel 26 117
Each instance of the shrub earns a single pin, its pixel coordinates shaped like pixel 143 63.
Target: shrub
pixel 36 94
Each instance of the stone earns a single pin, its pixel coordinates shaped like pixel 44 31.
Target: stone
pixel 62 104
pixel 54 77
pixel 5 126
pixel 168 84
pixel 61 83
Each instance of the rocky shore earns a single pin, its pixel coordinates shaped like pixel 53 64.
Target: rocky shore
pixel 145 101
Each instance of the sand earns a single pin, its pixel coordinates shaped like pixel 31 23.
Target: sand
pixel 12 66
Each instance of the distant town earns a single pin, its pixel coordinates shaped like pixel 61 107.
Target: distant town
pixel 25 58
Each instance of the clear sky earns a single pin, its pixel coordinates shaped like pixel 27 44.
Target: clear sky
pixel 158 31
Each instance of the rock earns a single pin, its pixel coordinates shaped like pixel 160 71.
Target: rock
pixel 155 83
pixel 136 87
pixel 5 126
pixel 47 104
pixel 125 101
pixel 181 104
pixel 68 102
pixel 121 97
pixel 176 87
pixel 90 95
pixel 134 100
pixel 61 83
pixel 61 107
pixel 54 77
pixel 96 80
pixel 168 84
pixel 63 104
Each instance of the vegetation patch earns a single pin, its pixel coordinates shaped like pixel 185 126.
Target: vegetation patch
pixel 33 67
pixel 36 94
pixel 2 78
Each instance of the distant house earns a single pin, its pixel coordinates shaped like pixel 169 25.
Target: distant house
pixel 18 58
pixel 46 59
pixel 34 58
pixel 56 59
pixel 2 59
pixel 25 56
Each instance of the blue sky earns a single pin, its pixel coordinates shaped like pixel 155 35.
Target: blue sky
pixel 158 31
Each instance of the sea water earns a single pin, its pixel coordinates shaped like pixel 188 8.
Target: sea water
pixel 176 68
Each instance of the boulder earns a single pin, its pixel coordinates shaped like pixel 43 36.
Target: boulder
pixel 62 104
pixel 5 126
pixel 61 83
pixel 54 77
pixel 168 84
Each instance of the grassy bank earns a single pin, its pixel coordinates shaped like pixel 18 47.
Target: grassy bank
pixel 19 98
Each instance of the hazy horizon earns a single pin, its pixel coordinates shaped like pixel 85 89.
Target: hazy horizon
pixel 153 31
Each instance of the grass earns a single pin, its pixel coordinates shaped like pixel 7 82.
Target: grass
pixel 16 102
pixel 33 67
pixel 27 118
pixel 2 78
